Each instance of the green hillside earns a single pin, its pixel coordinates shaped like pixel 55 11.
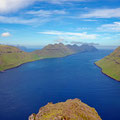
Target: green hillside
pixel 111 64
pixel 11 56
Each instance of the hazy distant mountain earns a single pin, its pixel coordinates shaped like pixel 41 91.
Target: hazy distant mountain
pixel 26 49
pixel 82 48
pixel 75 48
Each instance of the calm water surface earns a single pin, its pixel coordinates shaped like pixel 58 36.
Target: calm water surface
pixel 25 89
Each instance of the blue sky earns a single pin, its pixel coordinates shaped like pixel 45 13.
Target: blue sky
pixel 40 22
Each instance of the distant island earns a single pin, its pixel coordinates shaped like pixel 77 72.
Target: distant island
pixel 69 110
pixel 11 56
pixel 110 65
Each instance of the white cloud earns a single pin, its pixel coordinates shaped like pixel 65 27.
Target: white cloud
pixel 46 13
pixel 18 20
pixel 114 27
pixel 59 40
pixel 5 34
pixel 102 13
pixel 62 1
pixel 83 28
pixel 7 6
pixel 71 35
pixel 89 20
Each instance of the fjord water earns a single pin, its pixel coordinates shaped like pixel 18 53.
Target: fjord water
pixel 23 90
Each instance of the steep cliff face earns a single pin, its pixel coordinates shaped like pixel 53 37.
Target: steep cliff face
pixel 69 110
pixel 110 65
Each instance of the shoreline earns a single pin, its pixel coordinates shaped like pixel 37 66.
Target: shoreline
pixel 33 61
pixel 38 60
pixel 17 66
pixel 106 74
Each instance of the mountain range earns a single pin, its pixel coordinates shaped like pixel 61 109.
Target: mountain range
pixel 11 56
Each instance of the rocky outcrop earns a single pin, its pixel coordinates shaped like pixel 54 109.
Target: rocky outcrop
pixel 69 110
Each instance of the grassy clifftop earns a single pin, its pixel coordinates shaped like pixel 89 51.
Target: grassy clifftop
pixel 111 64
pixel 69 110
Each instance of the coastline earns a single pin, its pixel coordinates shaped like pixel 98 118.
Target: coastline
pixel 17 66
pixel 106 74
pixel 36 60
pixel 32 61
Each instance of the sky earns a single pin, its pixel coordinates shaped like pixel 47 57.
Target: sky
pixel 42 22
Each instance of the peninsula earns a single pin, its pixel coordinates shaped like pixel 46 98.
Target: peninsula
pixel 69 110
pixel 11 56
pixel 110 65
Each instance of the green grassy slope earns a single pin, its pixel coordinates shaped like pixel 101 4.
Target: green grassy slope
pixel 111 64
pixel 11 57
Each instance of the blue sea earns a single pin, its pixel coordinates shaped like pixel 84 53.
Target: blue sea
pixel 23 90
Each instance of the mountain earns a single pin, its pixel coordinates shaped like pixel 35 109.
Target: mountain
pixel 23 48
pixel 83 48
pixel 87 48
pixel 69 110
pixel 75 48
pixel 26 49
pixel 11 56
pixel 61 50
pixel 110 65
pixel 53 51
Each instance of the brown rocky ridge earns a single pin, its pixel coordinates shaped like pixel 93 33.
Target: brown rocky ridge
pixel 72 109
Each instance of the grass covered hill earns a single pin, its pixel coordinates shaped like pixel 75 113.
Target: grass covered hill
pixel 110 65
pixel 69 110
pixel 53 51
pixel 11 56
